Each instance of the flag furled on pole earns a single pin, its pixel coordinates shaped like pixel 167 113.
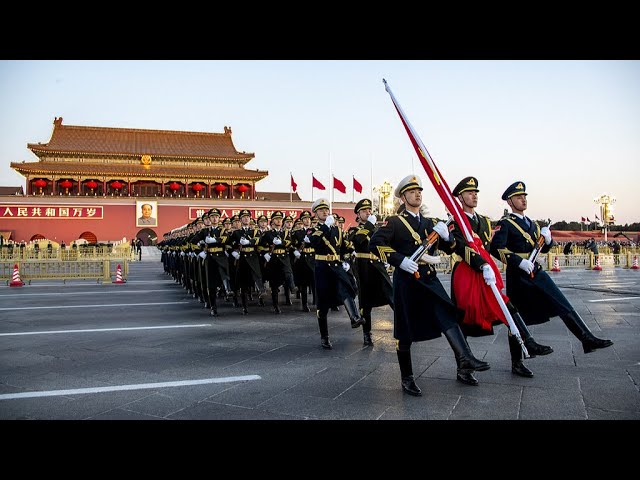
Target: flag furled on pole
pixel 356 185
pixel 338 185
pixel 481 308
pixel 294 185
pixel 584 219
pixel 588 221
pixel 316 184
pixel 597 217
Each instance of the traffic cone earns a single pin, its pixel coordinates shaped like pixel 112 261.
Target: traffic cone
pixel 556 265
pixel 635 263
pixel 597 265
pixel 15 281
pixel 119 276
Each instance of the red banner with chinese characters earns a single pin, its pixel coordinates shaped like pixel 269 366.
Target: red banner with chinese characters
pixel 51 212
pixel 195 212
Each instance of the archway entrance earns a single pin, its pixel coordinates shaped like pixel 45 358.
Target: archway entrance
pixel 148 237
pixel 90 237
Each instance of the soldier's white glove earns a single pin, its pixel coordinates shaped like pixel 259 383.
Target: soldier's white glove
pixel 236 255
pixel 386 265
pixel 346 266
pixel 210 239
pixel 372 218
pixel 201 243
pixel 526 265
pixel 409 265
pixel 202 255
pixel 546 233
pixel 430 259
pixel 244 241
pixel 330 221
pixel 182 254
pixel 226 254
pixel 489 276
pixel 441 229
pixel 277 241
pixel 306 239
pixel 267 257
pixel 296 253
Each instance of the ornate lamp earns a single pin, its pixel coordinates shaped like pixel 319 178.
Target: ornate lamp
pixel 92 184
pixel 220 188
pixel 66 184
pixel 197 187
pixel 242 189
pixel 40 184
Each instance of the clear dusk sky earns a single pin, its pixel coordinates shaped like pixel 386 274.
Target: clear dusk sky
pixel 569 129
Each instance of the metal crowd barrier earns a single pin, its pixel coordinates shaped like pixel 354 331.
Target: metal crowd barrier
pixel 102 270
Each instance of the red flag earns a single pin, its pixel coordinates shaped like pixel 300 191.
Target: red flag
pixel 316 183
pixel 356 185
pixel 294 185
pixel 584 219
pixel 483 305
pixel 597 217
pixel 588 220
pixel 338 185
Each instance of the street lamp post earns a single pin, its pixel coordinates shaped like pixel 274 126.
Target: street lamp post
pixel 385 202
pixel 605 201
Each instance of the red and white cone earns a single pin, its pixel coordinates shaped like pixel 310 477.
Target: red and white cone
pixel 597 265
pixel 15 281
pixel 635 263
pixel 556 265
pixel 119 276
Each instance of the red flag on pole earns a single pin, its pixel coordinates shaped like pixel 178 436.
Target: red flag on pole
pixel 584 219
pixel 338 185
pixel 597 217
pixel 482 304
pixel 294 185
pixel 316 183
pixel 356 185
pixel 588 221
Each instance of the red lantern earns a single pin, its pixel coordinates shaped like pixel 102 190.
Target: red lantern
pixel 242 189
pixel 66 184
pixel 174 186
pixel 92 184
pixel 117 185
pixel 40 183
pixel 220 188
pixel 197 187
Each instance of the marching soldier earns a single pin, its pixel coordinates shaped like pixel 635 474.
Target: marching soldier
pixel 244 242
pixel 422 308
pixel 217 262
pixel 374 286
pixel 231 225
pixel 467 193
pixel 529 287
pixel 305 263
pixel 333 284
pixel 277 265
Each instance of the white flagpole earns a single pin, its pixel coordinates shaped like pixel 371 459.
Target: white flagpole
pixel 311 187
pixel 371 180
pixel 290 187
pixel 331 194
pixel 353 190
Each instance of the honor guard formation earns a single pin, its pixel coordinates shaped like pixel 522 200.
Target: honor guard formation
pixel 231 261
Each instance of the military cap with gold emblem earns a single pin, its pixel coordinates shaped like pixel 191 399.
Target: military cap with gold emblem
pixel 305 214
pixel 263 218
pixel 318 204
pixel 362 204
pixel 339 218
pixel 245 213
pixel 226 221
pixel 467 184
pixel 235 218
pixel 277 214
pixel 214 211
pixel 297 222
pixel 408 183
pixel 288 218
pixel 516 188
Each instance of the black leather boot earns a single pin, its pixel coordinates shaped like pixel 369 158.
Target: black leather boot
pixel 274 300
pixel 304 295
pixel 287 296
pixel 366 328
pixel 465 360
pixel 576 325
pixel 214 307
pixel 406 373
pixel 243 297
pixel 324 331
pixel 235 299
pixel 533 347
pixel 352 311
pixel 517 366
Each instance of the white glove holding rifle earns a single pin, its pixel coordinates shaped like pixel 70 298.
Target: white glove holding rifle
pixel 526 265
pixel 441 229
pixel 546 233
pixel 409 265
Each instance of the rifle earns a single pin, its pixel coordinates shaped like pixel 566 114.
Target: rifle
pixel 537 249
pixel 427 243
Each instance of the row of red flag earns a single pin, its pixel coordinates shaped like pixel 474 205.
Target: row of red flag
pixel 586 220
pixel 337 184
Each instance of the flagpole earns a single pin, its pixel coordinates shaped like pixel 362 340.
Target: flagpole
pixel 331 194
pixel 371 179
pixel 353 190
pixel 290 187
pixel 312 187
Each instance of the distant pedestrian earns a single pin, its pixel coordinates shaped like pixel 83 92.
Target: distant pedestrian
pixel 139 249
